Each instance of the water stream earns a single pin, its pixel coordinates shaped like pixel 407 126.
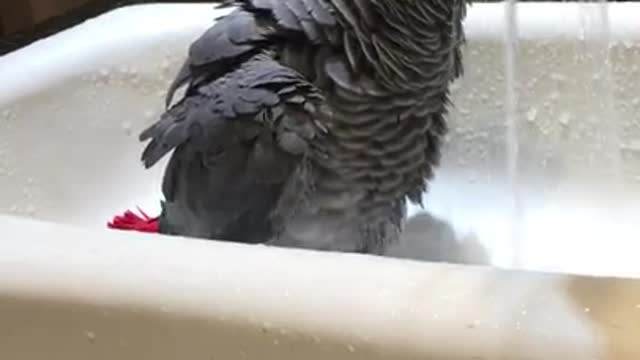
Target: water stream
pixel 511 118
pixel 609 111
pixel 594 19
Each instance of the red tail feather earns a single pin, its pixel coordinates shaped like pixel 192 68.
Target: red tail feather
pixel 131 221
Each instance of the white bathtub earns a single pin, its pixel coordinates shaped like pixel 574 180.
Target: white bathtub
pixel 71 107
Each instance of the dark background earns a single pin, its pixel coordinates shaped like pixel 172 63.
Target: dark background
pixel 25 21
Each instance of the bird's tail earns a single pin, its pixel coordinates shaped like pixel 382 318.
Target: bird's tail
pixel 134 222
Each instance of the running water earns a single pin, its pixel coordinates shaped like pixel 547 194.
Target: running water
pixel 609 111
pixel 511 118
pixel 594 18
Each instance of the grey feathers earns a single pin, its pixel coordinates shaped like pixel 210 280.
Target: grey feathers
pixel 326 116
pixel 259 90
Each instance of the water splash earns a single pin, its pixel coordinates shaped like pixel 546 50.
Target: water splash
pixel 511 118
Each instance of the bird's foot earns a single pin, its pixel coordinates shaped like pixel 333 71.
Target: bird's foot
pixel 131 221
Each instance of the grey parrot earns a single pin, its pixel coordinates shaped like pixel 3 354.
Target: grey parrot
pixel 308 123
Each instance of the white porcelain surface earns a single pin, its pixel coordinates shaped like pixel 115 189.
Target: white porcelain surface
pixel 73 104
pixel 71 107
pixel 70 293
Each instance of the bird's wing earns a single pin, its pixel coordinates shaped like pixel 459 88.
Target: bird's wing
pixel 249 29
pixel 260 91
pixel 236 139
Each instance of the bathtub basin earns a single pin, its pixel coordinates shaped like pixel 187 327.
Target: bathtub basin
pixel 559 236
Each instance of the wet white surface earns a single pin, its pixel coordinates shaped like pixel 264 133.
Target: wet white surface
pixel 71 107
pixel 70 110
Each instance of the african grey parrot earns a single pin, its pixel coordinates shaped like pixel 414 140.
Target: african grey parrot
pixel 308 123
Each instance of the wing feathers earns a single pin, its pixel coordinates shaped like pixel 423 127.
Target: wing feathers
pixel 258 86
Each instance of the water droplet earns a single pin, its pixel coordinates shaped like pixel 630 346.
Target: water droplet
pixel 532 114
pixel 91 336
pixel 127 127
pixel 165 65
pixel 524 312
pixel 587 310
pixel 351 348
pixel 564 119
pixel 104 73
